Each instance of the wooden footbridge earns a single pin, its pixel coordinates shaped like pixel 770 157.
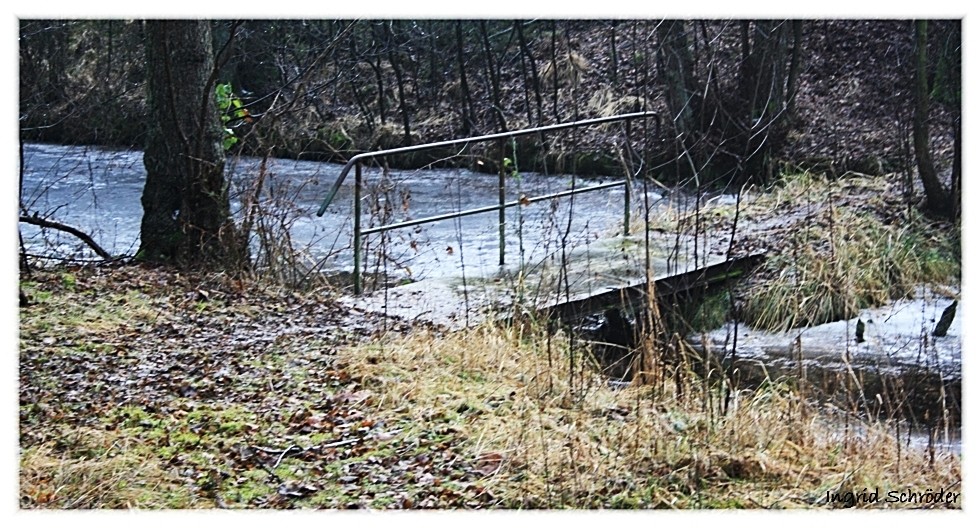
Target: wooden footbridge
pixel 615 270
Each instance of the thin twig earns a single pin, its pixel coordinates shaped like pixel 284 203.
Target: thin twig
pixel 284 453
pixel 349 441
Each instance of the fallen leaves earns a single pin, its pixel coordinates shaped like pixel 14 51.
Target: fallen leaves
pixel 234 390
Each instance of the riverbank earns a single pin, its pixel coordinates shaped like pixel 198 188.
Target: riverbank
pixel 143 387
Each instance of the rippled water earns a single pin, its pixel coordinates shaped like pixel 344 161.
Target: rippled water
pixel 98 190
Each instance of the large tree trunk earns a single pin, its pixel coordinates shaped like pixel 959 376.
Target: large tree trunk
pixel 186 218
pixel 764 83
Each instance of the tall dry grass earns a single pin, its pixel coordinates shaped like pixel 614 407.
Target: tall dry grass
pixel 546 435
pixel 88 468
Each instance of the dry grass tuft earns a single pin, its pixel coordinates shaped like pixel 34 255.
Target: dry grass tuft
pixel 547 434
pixel 88 468
pixel 570 68
pixel 606 103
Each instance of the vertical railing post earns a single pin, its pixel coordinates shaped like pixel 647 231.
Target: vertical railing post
pixel 500 195
pixel 626 208
pixel 628 167
pixel 357 228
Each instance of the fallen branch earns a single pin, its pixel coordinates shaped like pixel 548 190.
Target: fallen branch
pixel 340 443
pixel 84 237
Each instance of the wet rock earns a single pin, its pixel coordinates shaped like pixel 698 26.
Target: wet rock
pixel 945 320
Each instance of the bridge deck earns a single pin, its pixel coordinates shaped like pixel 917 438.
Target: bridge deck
pixel 601 273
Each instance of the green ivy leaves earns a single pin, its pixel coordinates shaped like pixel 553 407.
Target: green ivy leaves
pixel 232 113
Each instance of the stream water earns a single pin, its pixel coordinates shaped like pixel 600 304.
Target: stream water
pixel 98 190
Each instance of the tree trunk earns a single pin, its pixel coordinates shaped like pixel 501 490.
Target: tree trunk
pixel 464 96
pixel 936 196
pixel 186 216
pixel 613 55
pixel 375 62
pixel 763 86
pixel 494 77
pixel 794 66
pixel 535 83
pixel 524 81
pixel 956 178
pixel 554 70
pixel 353 78
pixel 678 76
pixel 393 52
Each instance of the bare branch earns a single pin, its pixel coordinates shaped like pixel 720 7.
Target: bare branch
pixel 84 237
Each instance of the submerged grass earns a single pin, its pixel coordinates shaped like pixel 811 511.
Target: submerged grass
pixel 547 432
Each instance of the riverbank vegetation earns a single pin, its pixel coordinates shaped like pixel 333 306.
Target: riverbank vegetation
pixel 835 246
pixel 132 396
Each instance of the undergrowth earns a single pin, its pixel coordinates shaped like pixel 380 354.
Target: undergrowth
pixel 833 247
pixel 89 468
pixel 839 259
pixel 550 433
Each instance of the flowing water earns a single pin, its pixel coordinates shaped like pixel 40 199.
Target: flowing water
pixel 98 190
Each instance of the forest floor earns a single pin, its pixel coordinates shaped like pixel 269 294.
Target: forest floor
pixel 151 388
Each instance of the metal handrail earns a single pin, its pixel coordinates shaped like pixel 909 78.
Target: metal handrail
pixel 475 139
pixel 356 162
pixel 490 208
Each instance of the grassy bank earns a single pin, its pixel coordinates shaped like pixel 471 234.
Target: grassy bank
pixel 184 392
pixel 145 387
pixel 551 434
pixel 834 246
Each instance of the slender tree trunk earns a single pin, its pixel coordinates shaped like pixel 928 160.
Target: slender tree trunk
pixel 535 79
pixel 378 76
pixel 464 88
pixel 956 178
pixel 353 78
pixel 399 80
pixel 554 70
pixel 613 55
pixel 380 82
pixel 434 64
pixel 794 66
pixel 936 196
pixel 524 81
pixel 186 216
pixel 494 76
